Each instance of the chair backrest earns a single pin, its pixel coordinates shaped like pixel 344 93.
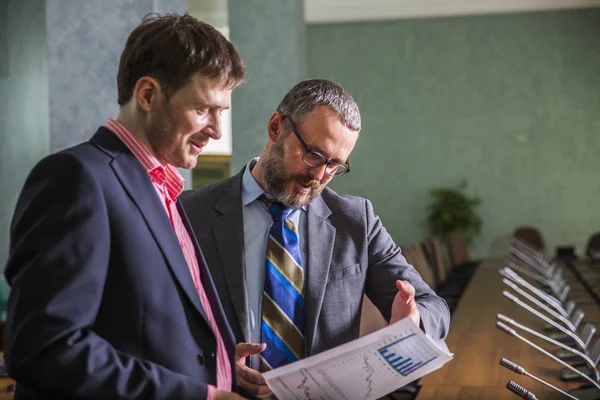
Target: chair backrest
pixel 437 257
pixel 587 333
pixel 458 248
pixel 415 256
pixel 593 247
pixel 530 235
pixel 371 319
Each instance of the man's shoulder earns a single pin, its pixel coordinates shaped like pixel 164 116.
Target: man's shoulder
pixel 347 209
pixel 206 192
pixel 343 203
pixel 79 157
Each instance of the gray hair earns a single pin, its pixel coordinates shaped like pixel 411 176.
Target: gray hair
pixel 307 95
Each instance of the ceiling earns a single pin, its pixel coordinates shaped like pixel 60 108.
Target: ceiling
pixel 326 11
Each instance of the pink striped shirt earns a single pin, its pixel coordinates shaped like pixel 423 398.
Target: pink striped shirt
pixel 169 185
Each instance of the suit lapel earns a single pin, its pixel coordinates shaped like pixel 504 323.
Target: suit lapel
pixel 209 289
pixel 228 231
pixel 321 237
pixel 138 185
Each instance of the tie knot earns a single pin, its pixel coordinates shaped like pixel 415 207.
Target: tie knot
pixel 278 211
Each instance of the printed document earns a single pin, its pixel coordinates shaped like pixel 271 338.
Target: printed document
pixel 366 368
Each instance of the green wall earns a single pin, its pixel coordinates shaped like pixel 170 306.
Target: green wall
pixel 270 35
pixel 511 103
pixel 24 110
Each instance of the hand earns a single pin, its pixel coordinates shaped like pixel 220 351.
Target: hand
pixel 223 395
pixel 404 304
pixel 250 379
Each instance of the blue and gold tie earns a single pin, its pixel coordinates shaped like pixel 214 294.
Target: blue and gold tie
pixel 282 325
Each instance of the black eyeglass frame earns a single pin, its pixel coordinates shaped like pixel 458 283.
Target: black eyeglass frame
pixel 345 168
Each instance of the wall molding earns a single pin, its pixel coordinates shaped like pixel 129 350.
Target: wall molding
pixel 328 11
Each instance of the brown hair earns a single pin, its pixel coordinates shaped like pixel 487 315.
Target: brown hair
pixel 171 48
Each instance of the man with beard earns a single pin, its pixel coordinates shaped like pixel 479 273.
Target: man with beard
pixel 291 258
pixel 110 296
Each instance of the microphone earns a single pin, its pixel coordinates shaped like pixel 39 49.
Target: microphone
pixel 532 310
pixel 553 301
pixel 534 276
pixel 531 262
pixel 521 371
pixel 585 357
pixel 511 332
pixel 537 255
pixel 538 303
pixel 553 279
pixel 520 391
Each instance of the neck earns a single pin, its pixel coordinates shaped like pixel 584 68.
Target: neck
pixel 257 174
pixel 136 127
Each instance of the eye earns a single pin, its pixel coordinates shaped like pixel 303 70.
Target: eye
pixel 201 111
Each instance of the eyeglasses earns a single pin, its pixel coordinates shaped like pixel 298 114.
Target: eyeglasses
pixel 314 159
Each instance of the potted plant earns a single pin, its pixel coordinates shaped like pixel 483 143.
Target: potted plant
pixel 453 211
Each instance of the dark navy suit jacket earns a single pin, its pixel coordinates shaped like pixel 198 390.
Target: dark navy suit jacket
pixel 102 304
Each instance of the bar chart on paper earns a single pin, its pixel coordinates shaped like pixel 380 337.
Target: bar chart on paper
pixel 408 354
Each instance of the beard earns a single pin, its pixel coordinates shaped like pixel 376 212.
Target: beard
pixel 282 185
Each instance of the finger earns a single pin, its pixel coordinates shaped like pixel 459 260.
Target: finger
pixel 262 391
pixel 247 349
pixel 251 375
pixel 407 290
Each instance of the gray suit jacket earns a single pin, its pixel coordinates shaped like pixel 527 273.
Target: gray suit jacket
pixel 349 253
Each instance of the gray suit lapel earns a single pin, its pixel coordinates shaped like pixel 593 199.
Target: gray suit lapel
pixel 229 236
pixel 320 236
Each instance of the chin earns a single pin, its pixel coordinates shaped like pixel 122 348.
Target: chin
pixel 188 162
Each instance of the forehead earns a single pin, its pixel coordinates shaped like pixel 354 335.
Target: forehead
pixel 323 130
pixel 211 92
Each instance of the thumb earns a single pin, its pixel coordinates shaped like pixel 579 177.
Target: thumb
pixel 247 349
pixel 406 289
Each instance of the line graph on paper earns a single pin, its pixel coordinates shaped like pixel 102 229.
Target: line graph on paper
pixel 407 354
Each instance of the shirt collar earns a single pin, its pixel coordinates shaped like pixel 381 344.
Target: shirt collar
pixel 251 190
pixel 168 176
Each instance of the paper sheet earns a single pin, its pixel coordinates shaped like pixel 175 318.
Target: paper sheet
pixel 366 368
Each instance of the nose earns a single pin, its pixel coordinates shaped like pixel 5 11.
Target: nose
pixel 318 173
pixel 213 128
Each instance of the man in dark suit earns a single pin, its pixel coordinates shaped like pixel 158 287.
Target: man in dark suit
pixel 111 297
pixel 291 258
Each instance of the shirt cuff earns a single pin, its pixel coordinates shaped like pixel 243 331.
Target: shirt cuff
pixel 211 394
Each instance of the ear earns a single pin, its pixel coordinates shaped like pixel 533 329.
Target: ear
pixel 275 126
pixel 146 92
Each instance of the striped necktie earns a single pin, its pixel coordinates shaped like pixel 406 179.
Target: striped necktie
pixel 282 325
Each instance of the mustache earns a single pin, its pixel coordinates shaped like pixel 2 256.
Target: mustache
pixel 308 181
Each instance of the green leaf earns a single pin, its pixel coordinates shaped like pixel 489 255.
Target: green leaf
pixel 451 210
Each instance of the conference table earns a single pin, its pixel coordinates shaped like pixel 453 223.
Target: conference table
pixel 478 346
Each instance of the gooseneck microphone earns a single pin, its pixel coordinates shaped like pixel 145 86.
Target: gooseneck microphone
pixel 550 340
pixel 532 310
pixel 568 324
pixel 511 332
pixel 551 300
pixel 536 277
pixel 520 391
pixel 521 371
pixel 533 263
